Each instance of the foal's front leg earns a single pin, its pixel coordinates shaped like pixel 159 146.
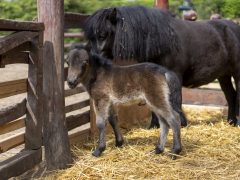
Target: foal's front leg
pixel 102 110
pixel 114 123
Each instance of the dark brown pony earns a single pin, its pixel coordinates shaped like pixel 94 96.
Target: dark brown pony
pixel 198 52
pixel 109 84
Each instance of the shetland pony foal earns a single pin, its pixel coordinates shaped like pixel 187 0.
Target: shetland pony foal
pixel 109 84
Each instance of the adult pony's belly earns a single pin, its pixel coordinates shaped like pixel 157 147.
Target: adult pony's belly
pixel 202 76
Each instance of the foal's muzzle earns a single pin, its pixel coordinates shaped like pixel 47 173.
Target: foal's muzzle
pixel 72 83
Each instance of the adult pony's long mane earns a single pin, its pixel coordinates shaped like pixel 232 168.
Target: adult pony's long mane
pixel 137 29
pixel 97 61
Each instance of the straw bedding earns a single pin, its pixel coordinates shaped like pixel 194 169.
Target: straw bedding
pixel 211 150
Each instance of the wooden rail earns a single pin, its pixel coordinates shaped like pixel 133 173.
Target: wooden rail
pixel 13 112
pixel 12 126
pixel 16 39
pixel 10 25
pixel 14 87
pixel 20 163
pixel 74 20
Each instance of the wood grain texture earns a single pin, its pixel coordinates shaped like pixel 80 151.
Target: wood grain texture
pixel 14 87
pixel 33 135
pixel 12 126
pixel 16 39
pixel 13 112
pixel 74 121
pixel 55 135
pixel 11 25
pixel 11 142
pixel 20 163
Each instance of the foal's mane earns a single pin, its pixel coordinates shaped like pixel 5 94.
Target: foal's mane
pixel 141 33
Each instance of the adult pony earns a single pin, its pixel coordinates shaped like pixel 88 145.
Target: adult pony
pixel 198 52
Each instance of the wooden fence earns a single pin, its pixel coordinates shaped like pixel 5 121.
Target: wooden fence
pixel 25 45
pixel 22 46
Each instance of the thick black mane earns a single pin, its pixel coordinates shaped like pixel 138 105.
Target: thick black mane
pixel 97 61
pixel 141 33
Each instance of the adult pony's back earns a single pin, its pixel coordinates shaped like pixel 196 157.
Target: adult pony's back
pixel 198 52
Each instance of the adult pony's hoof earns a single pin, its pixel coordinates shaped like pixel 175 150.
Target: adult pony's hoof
pixel 234 121
pixel 238 123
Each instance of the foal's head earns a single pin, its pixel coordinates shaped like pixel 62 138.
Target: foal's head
pixel 78 64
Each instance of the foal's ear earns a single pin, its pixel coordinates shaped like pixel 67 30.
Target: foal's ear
pixel 112 16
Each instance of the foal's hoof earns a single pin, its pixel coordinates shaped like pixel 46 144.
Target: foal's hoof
pixel 119 143
pixel 96 153
pixel 158 150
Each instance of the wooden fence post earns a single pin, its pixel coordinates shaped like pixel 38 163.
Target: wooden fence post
pixel 34 121
pixel 55 134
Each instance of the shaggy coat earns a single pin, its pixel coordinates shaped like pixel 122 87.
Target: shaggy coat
pixel 109 84
pixel 198 52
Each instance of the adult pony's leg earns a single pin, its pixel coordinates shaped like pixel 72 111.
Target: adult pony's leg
pixel 231 95
pixel 237 108
pixel 114 123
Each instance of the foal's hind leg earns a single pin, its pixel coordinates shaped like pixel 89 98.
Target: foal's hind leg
pixel 174 123
pixel 230 94
pixel 113 122
pixel 163 136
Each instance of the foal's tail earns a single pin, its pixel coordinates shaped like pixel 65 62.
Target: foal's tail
pixel 175 89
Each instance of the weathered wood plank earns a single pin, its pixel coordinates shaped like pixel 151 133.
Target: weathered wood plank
pixel 15 55
pixel 13 58
pixel 78 105
pixel 12 126
pixel 13 112
pixel 14 87
pixel 13 40
pixel 20 163
pixel 74 20
pixel 11 142
pixel 79 136
pixel 11 25
pixel 33 135
pixel 70 92
pixel 74 121
pixel 55 135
